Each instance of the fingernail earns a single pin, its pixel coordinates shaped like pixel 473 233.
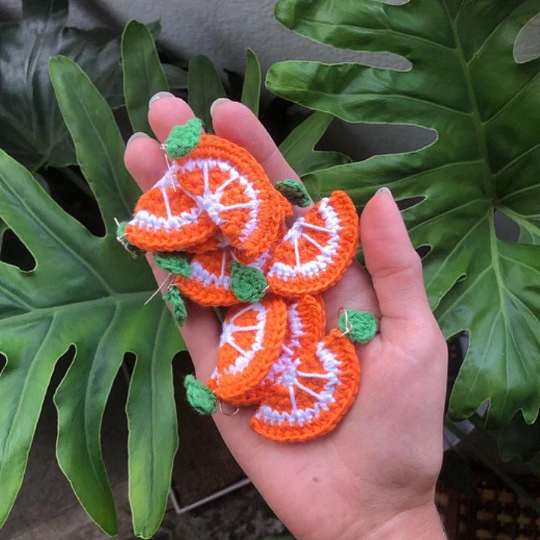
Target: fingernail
pixel 135 136
pixel 385 190
pixel 220 101
pixel 159 95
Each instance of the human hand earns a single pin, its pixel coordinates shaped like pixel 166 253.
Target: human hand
pixel 374 476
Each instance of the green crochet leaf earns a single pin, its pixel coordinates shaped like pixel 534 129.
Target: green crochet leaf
pixel 178 305
pixel 248 284
pixel 200 397
pixel 86 291
pixel 183 139
pixel 466 85
pixel 175 263
pixel 294 192
pixel 359 326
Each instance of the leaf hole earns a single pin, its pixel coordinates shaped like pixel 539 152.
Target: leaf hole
pixel 395 2
pixel 14 252
pixel 506 228
pixel 73 194
pixel 3 362
pixel 527 44
pixel 404 204
pixel 458 346
pixel 362 141
pixel 423 251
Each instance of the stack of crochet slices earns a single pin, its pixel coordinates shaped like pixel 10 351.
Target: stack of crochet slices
pixel 218 225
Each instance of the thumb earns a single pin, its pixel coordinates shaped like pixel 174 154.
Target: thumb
pixel 394 265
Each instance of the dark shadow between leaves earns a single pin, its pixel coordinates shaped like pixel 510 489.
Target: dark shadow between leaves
pixel 14 252
pixel 70 190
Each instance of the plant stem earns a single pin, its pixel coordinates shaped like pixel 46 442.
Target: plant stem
pixel 491 464
pixel 77 180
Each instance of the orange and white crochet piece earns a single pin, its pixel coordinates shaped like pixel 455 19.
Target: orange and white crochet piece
pixel 250 342
pixel 167 219
pixel 311 393
pixel 233 189
pixel 219 226
pixel 306 322
pixel 317 249
pixel 210 281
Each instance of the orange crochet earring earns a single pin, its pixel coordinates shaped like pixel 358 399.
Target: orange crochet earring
pixel 312 392
pixel 305 327
pixel 317 249
pixel 250 342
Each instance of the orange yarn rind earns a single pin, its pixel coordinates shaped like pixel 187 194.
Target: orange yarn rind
pixel 312 392
pixel 317 249
pixel 250 342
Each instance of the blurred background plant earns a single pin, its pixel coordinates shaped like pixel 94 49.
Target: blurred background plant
pixel 62 183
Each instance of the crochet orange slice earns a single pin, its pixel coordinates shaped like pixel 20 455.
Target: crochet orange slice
pixel 305 328
pixel 166 219
pixel 317 249
pixel 210 280
pixel 233 189
pixel 311 394
pixel 250 342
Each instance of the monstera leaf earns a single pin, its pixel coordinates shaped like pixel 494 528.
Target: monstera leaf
pixel 31 127
pixel 87 292
pixel 466 85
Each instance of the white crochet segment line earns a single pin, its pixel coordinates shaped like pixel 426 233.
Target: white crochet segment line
pixel 144 219
pixel 300 229
pixel 244 358
pixel 291 377
pixel 211 201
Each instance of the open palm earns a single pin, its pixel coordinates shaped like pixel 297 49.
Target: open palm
pixel 374 476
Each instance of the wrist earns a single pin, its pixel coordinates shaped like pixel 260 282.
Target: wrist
pixel 422 523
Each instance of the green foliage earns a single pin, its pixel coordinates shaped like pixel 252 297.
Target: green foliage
pixel 85 290
pixel 31 128
pixel 251 90
pixel 204 87
pixel 298 150
pixel 519 439
pixel 465 84
pixel 143 73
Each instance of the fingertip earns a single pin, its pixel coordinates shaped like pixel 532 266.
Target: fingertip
pixel 237 123
pixel 381 220
pixel 144 160
pixel 167 112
